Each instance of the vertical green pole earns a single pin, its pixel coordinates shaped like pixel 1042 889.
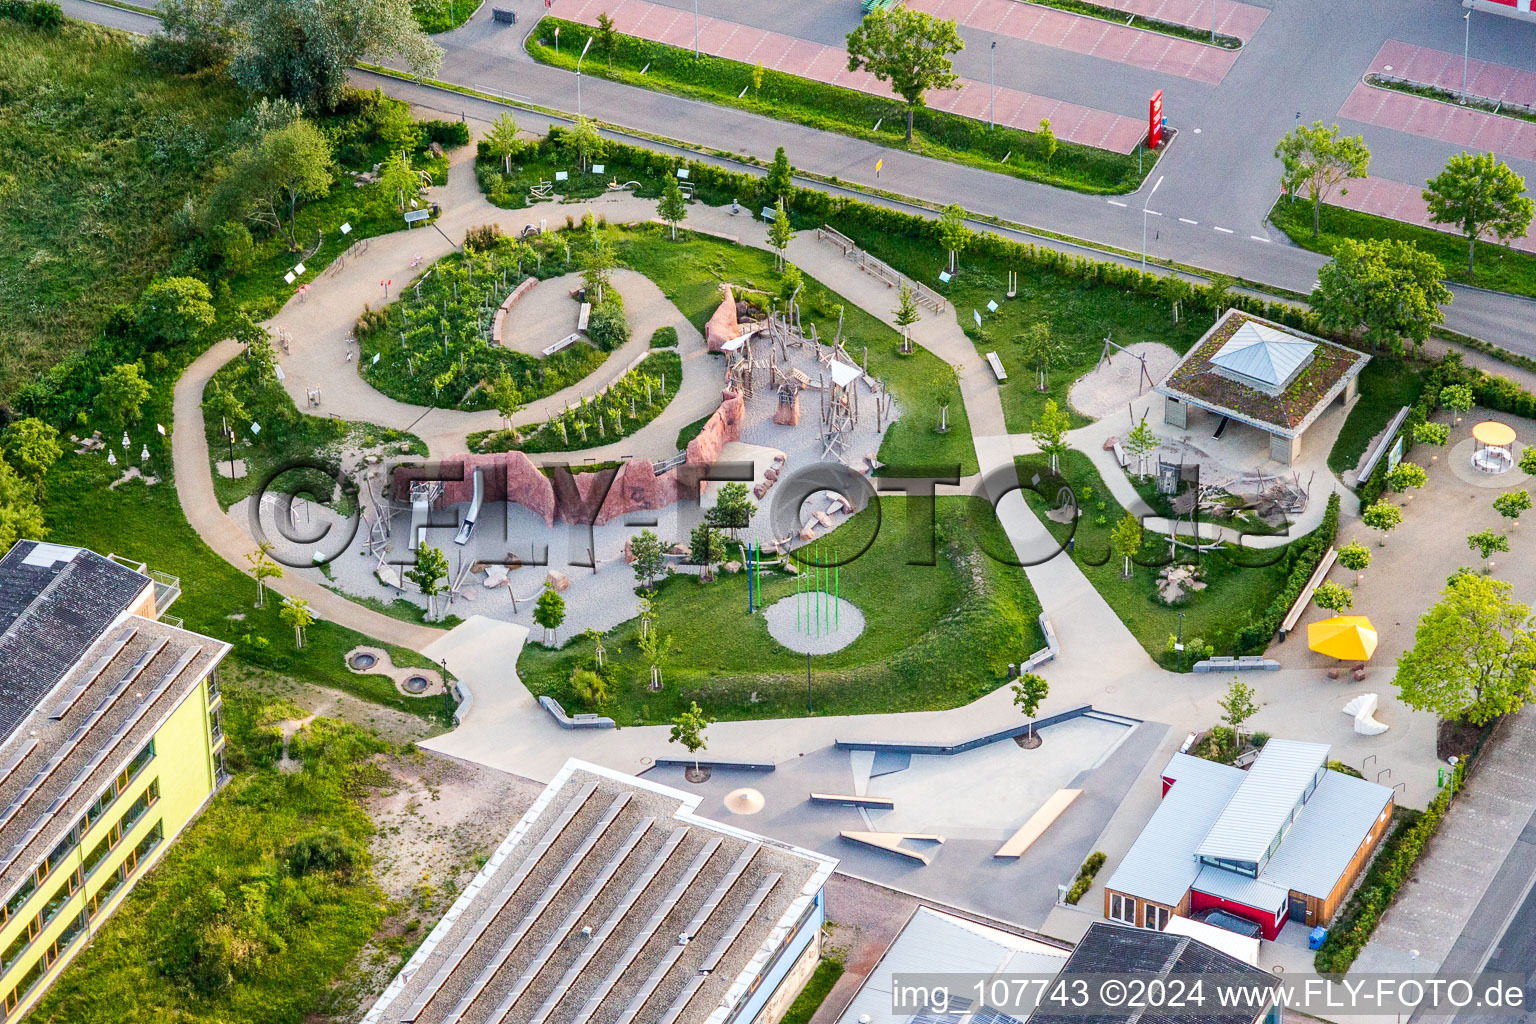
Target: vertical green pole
pixel 797 596
pixel 837 594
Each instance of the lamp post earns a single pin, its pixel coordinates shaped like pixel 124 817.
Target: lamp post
pixel 583 57
pixel 1179 643
pixel 1466 48
pixel 992 95
pixel 1213 22
pixel 807 682
pixel 1144 215
pixel 695 29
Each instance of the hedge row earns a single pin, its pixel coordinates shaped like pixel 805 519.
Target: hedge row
pixel 1393 864
pixel 1085 875
pixel 37 13
pixel 1303 558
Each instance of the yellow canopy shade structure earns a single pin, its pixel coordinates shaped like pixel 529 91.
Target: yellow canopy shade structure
pixel 1345 637
pixel 1492 432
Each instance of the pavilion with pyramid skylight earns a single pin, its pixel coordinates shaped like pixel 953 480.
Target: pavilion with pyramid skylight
pixel 1254 371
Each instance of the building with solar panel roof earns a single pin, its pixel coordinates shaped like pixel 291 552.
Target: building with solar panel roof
pixel 112 743
pixel 613 902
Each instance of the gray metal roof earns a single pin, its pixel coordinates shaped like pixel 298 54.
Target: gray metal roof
pixel 1270 790
pixel 1161 865
pixel 1263 354
pixel 1250 892
pixel 1333 824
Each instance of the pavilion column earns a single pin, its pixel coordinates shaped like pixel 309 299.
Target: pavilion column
pixel 1284 449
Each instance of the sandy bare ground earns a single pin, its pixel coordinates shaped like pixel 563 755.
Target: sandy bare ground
pixel 1106 390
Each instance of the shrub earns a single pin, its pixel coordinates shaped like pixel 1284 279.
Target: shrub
pixel 482 236
pixel 1084 877
pixel 38 13
pixel 665 337
pixel 445 133
pixel 590 687
pixel 606 327
pixel 321 850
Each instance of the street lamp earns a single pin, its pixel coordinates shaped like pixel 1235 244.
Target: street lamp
pixel 1213 22
pixel 583 56
pixel 1466 47
pixel 695 29
pixel 992 96
pixel 1144 214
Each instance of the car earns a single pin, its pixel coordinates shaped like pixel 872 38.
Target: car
pixel 1230 922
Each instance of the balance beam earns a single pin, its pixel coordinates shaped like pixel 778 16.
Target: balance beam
pixel 883 803
pixel 1038 822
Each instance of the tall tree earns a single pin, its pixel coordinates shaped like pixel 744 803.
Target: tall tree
pixel 296 613
pixel 272 176
pixel 429 573
pixel 585 141
pixel 780 234
pixel 176 310
pixel 1320 159
pixel 501 140
pixel 672 207
pixel 32 446
pixel 1239 705
pixel 1512 503
pixel 778 185
pixel 650 556
pixel 688 730
pixel 706 547
pixel 1482 196
pixel 1474 653
pixel 1383 516
pixel 1332 597
pixel 1355 557
pixel 597 266
pixel 733 509
pixel 1458 398
pixel 123 393
pixel 1407 475
pixel 507 397
pixel 399 181
pixel 1388 290
pixel 549 612
pixel 906 314
pixel 21 517
pixel 606 37
pixel 908 49
pixel 1486 543
pixel 1049 433
pixel 953 233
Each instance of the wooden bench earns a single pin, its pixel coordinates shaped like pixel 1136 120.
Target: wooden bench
pixel 583 317
pixel 883 803
pixel 564 342
pixel 1038 822
pixel 997 367
pixel 1119 455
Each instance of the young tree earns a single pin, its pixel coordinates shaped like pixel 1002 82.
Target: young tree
pixel 32 446
pixel 1040 347
pixel 1458 398
pixel 1406 475
pixel 907 48
pixel 20 515
pixel 1382 515
pixel 1332 597
pixel 706 547
pixel 945 382
pixel 176 310
pixel 549 612
pixel 221 403
pixel 1528 460
pixel 1175 289
pixel 778 185
pixel 733 509
pixel 1482 196
pixel 263 568
pixel 779 234
pixel 907 314
pixel 1047 140
pixel 584 140
pixel 672 207
pixel 1319 159
pixel 1029 690
pixel 605 37
pixel 429 573
pixel 1239 705
pixel 953 233
pixel 1126 541
pixel 655 648
pixel 501 140
pixel 757 82
pixel 1436 435
pixel 1512 503
pixel 650 557
pixel 1474 653
pixel 1142 443
pixel 269 178
pixel 598 650
pixel 688 730
pixel 1486 543
pixel 399 181
pixel 1355 557
pixel 507 397
pixel 1388 290
pixel 1049 433
pixel 597 266
pixel 295 612
pixel 123 393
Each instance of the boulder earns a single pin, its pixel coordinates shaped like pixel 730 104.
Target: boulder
pixel 732 566
pixel 558 580
pixel 636 488
pixel 1110 442
pixel 723 325
pixel 770 474
pixel 759 490
pixel 809 532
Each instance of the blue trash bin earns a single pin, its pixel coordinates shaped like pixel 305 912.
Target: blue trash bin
pixel 1315 939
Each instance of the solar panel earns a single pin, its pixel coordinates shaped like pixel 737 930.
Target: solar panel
pixel 958 1005
pixel 97 668
pixel 722 947
pixel 987 1015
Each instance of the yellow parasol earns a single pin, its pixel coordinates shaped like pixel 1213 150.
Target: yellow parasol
pixel 1345 637
pixel 1494 433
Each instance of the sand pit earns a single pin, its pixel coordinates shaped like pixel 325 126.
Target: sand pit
pixel 1106 390
pixel 543 316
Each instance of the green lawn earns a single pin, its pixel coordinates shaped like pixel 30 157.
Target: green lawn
pixel 1238 584
pixel 225 928
pixel 690 271
pixel 1080 315
pixel 1386 385
pixel 815 992
pixel 441 15
pixel 1497 267
pixel 935 636
pixel 846 111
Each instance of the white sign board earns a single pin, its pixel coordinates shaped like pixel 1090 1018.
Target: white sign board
pixel 255 428
pixel 346 229
pixel 944 276
pixel 288 277
pixel 599 168
pixel 376 359
pixel 161 428
pixel 299 269
pixel 682 172
pixel 992 306
pixel 561 176
pixel 977 317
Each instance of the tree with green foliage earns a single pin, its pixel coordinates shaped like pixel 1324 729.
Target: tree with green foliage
pixel 1383 516
pixel 706 547
pixel 1319 159
pixel 1142 443
pixel 1332 597
pixel 1047 140
pixel 1125 540
pixel 31 446
pixel 1029 691
pixel 21 517
pixel 757 82
pixel 1511 503
pixel 1240 704
pixel 296 613
pixel 430 573
pixel 733 509
pixel 655 649
pixel 585 142
pixel 650 557
pixel 399 181
pixel 1436 435
pixel 591 687
pixel 549 612
pixel 507 398
pixel 223 404
pixel 1528 460
pixel 953 234
pixel 1474 653
pixel 1486 543
pixel 1458 398
pixel 1040 348
pixel 906 314
pixel 778 185
pixel 123 394
pixel 672 207
pixel 688 730
pixel 501 140
pixel 605 37
pixel 908 49
pixel 945 382
pixel 269 178
pixel 1388 290
pixel 1355 557
pixel 597 266
pixel 779 234
pixel 176 310
pixel 1482 196
pixel 1406 475
pixel 302 49
pixel 1049 433
pixel 263 568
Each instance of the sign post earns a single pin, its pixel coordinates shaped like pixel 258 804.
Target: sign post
pixel 1155 120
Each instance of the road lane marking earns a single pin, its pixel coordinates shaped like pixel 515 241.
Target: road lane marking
pixel 1116 202
pixel 1186 220
pixel 1225 231
pixel 1258 238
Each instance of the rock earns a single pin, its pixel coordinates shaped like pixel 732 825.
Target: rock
pixel 759 490
pixel 558 580
pixel 731 567
pixel 723 325
pixel 809 532
pixel 840 503
pixel 678 549
pixel 822 518
pixel 1110 442
pixel 770 474
pixel 436 149
pixel 636 488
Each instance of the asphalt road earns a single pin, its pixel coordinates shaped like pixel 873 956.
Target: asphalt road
pixel 1218 177
pixel 1505 938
